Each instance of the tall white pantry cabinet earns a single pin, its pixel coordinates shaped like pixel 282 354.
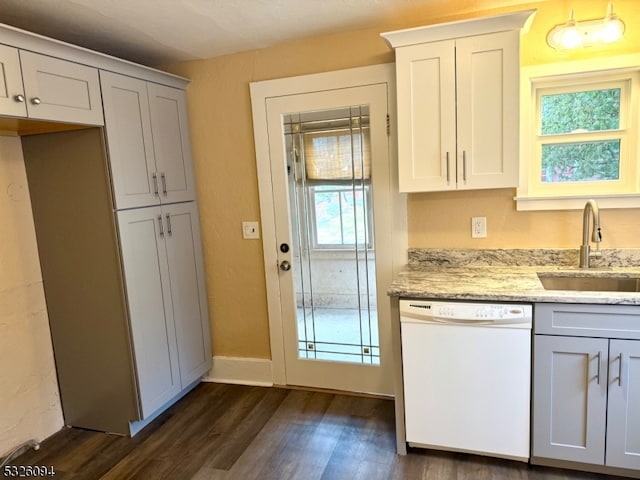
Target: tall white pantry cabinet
pixel 112 189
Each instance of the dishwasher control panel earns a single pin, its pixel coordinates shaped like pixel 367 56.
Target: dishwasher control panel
pixel 464 310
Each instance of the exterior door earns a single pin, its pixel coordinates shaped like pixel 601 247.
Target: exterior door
pixel 316 215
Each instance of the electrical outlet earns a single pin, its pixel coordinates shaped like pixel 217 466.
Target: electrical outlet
pixel 250 230
pixel 478 227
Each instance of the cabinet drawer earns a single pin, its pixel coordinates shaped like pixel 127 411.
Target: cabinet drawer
pixel 582 320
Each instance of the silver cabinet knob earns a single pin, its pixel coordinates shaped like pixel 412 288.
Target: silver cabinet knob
pixel 35 101
pixel 19 98
pixel 285 266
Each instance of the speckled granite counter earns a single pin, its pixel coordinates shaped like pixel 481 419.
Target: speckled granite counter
pixel 510 275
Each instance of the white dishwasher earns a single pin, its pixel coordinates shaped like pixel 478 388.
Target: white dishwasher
pixel 467 376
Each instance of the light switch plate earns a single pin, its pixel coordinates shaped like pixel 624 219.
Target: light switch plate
pixel 250 230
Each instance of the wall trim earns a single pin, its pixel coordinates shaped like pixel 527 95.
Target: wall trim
pixel 241 371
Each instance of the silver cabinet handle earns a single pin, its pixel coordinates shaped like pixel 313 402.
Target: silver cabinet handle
pixel 19 98
pixel 169 225
pixel 599 362
pixel 285 266
pixel 36 101
pixel 620 370
pixel 154 175
pixel 464 166
pixel 164 183
pixel 448 170
pixel 160 225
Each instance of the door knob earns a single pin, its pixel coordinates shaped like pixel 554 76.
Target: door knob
pixel 36 101
pixel 285 266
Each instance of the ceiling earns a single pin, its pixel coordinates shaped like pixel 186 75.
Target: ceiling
pixel 156 32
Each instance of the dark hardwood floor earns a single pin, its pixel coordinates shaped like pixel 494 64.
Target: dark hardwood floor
pixel 223 431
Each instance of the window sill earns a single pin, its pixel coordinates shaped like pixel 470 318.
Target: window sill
pixel 576 202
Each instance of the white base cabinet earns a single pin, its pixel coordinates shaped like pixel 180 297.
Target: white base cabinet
pixel 623 412
pixel 167 299
pixel 586 386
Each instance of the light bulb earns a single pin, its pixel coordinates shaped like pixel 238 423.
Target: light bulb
pixel 570 37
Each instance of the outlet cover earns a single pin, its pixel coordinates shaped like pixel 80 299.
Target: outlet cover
pixel 250 230
pixel 478 227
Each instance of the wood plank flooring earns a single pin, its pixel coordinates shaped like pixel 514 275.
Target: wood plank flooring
pixel 233 432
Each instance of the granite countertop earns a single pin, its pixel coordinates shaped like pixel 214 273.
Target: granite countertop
pixel 510 275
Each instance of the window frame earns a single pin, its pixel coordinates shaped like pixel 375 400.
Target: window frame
pixel 532 193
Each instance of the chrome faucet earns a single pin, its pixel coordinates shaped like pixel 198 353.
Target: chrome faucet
pixel 596 235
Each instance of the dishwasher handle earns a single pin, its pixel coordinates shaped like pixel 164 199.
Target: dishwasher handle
pixel 493 323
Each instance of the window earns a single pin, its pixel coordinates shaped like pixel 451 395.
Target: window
pixel 340 216
pixel 337 183
pixel 579 136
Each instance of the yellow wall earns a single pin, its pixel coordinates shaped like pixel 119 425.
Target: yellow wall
pixel 29 400
pixel 222 135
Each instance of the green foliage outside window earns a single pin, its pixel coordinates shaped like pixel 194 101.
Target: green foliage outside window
pixel 579 112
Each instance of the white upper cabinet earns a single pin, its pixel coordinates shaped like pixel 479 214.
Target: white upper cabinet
pixel 171 143
pixel 11 90
pixel 128 130
pixel 148 138
pixel 458 104
pixel 46 88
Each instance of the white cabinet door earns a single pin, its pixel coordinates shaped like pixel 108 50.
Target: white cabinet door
pixel 11 83
pixel 188 290
pixel 570 398
pixel 144 259
pixel 426 116
pixel 623 420
pixel 148 140
pixel 487 73
pixel 60 90
pixel 128 130
pixel 172 145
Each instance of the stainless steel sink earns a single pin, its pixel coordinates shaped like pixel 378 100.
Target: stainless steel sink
pixel 590 284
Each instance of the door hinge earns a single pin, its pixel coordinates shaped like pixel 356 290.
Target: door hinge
pixel 388 125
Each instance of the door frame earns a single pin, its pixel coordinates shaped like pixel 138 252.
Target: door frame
pixel 260 92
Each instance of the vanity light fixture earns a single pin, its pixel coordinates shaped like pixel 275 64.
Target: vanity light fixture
pixel 574 34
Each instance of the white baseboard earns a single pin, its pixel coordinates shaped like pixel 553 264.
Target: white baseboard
pixel 243 371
